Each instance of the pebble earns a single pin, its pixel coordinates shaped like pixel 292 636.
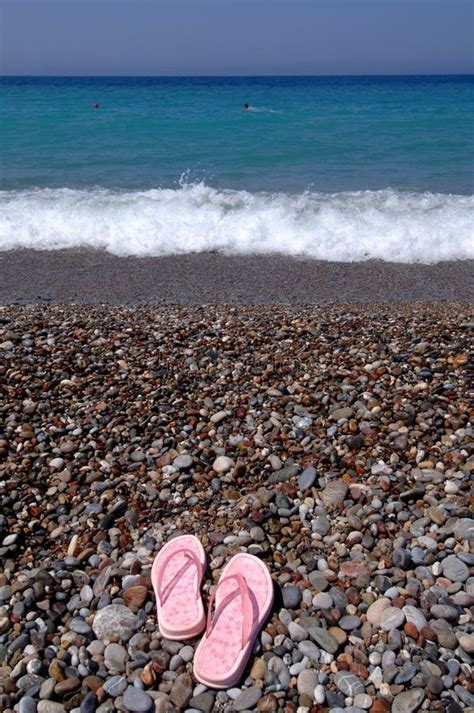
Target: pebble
pixel 408 701
pixel 376 610
pixel 247 699
pixel 392 618
pixel 414 616
pixel 291 597
pixel 50 707
pixel 323 600
pixel 454 569
pixel 348 684
pixel 114 621
pixel 324 640
pixel 307 478
pixel 182 690
pixel 115 686
pixel 307 682
pixel 223 464
pixel 136 700
pixel 334 493
pixel 114 657
pixel 183 462
pixel 27 705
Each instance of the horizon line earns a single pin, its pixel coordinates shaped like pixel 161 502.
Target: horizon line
pixel 231 76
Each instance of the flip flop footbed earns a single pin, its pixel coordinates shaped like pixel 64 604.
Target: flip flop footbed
pixel 176 576
pixel 220 656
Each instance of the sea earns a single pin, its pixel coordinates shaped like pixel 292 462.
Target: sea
pixel 341 169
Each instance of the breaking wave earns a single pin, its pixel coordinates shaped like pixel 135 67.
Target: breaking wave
pixel 389 225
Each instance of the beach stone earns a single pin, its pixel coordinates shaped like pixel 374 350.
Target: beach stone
pixel 309 649
pixel 47 688
pixel 344 412
pixel 115 686
pixel 5 593
pixel 247 699
pixel 392 618
pixel 466 642
pixel 334 493
pixel 362 700
pixel 348 684
pixel 89 703
pixel 318 581
pixel 284 474
pixel 444 633
pixel 408 701
pixel 135 596
pixel 50 707
pixel 307 682
pixel 454 569
pixel 137 700
pixel 223 464
pixel 203 701
pixel 80 626
pixel 324 639
pixel 56 463
pixel 259 669
pixel 27 705
pixel 323 600
pixel 219 417
pixel 375 611
pixel 307 478
pixel 114 657
pixel 297 632
pixel 183 462
pixel 353 569
pixel 321 525
pixel 291 597
pixel 114 622
pixel 464 528
pixel 319 694
pixel 444 611
pixel 414 616
pixel 182 690
pixel 349 622
pixel 62 688
pixel 267 703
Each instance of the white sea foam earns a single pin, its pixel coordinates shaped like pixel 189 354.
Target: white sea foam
pixel 343 227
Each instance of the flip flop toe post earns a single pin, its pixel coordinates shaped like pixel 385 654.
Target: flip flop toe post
pixel 237 611
pixel 176 576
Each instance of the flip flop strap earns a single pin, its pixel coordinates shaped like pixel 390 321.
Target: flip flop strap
pixel 191 559
pixel 247 609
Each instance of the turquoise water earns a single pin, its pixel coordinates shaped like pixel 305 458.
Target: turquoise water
pixel 338 168
pixel 328 134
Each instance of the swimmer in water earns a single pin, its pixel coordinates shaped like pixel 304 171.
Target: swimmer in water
pixel 96 105
pixel 246 107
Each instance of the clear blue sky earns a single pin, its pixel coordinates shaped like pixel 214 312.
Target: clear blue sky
pixel 198 37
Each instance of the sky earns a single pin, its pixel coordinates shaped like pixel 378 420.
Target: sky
pixel 236 37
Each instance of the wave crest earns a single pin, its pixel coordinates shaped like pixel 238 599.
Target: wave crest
pixel 389 225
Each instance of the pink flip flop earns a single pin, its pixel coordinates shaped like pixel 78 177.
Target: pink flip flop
pixel 243 597
pixel 176 576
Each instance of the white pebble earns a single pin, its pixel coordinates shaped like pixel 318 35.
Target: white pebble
pixel 319 694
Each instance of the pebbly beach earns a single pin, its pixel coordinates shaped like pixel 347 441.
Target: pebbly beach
pixel 332 441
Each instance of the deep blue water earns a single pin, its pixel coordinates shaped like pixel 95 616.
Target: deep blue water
pixel 314 163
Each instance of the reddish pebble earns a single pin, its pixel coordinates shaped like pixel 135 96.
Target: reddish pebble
pixel 411 630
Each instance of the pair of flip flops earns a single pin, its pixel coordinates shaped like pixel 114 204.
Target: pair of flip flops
pixel 237 609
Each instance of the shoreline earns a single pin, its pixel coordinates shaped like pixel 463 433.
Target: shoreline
pixel 91 277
